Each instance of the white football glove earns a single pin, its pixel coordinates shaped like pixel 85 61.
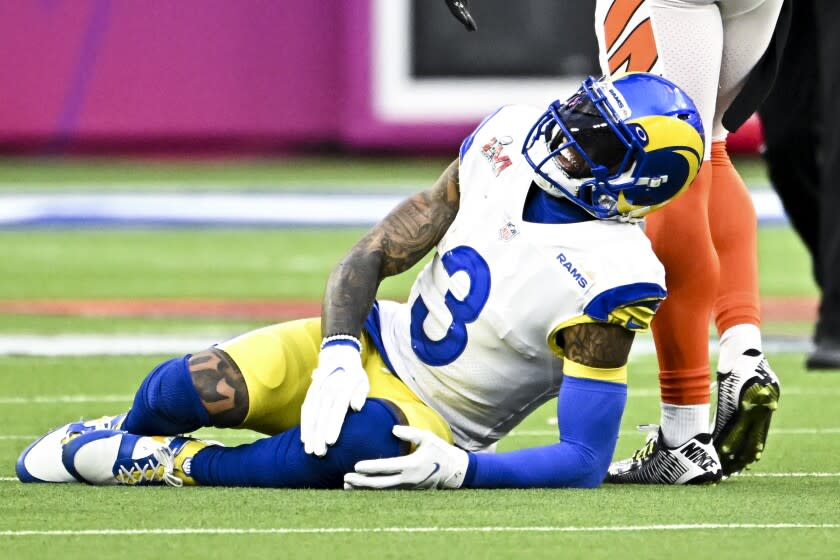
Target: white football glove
pixel 338 383
pixel 435 464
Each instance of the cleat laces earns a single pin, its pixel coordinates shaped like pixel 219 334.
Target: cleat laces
pixel 159 467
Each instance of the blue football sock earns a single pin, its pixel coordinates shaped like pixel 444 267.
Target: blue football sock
pixel 280 462
pixel 167 403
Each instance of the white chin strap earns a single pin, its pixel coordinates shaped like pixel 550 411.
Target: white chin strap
pixel 572 185
pixel 548 187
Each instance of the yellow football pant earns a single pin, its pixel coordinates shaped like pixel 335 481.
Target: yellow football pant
pixel 277 363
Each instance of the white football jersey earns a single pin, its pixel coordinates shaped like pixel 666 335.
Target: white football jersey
pixel 475 341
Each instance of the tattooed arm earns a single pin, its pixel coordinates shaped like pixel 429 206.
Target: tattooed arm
pixel 393 246
pixel 597 345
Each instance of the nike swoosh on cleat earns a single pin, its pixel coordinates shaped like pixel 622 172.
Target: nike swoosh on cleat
pixel 336 370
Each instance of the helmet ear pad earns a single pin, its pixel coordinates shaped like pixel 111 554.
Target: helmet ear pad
pixel 670 159
pixel 673 169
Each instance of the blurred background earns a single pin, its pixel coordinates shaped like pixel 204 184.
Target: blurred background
pixel 227 153
pixel 265 77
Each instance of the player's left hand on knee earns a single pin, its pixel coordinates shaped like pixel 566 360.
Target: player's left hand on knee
pixel 434 464
pixel 338 383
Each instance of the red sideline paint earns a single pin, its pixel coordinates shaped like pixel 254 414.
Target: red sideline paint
pixel 243 309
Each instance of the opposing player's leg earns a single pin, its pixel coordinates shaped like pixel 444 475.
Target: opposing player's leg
pixel 679 232
pixel 680 331
pixel 748 390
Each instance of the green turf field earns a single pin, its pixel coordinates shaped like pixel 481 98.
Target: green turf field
pixel 247 263
pixel 789 505
pixel 768 513
pixel 371 174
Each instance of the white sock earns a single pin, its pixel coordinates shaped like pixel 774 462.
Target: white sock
pixel 735 341
pixel 680 423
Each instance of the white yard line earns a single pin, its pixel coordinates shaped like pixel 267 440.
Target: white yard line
pixel 61 399
pixel 100 344
pixel 773 431
pixel 791 475
pixel 247 436
pixel 742 475
pixel 372 530
pixel 128 398
pixel 70 344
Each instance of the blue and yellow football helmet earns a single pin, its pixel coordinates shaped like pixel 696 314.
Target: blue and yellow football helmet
pixel 620 147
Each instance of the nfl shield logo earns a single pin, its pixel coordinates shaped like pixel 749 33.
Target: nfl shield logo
pixel 508 231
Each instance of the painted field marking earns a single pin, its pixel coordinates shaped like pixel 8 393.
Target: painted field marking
pixel 373 530
pixel 773 431
pixel 70 344
pixel 62 399
pixel 791 475
pixel 128 398
pixel 249 436
pixel 742 475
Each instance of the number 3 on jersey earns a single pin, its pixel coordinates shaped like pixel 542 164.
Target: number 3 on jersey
pixel 447 349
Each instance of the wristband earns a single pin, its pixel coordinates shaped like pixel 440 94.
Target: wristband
pixel 341 340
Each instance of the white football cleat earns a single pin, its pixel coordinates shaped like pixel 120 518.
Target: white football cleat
pixel 41 460
pixel 747 398
pixel 693 462
pixel 106 457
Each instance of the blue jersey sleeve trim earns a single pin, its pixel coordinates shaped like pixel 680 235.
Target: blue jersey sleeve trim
pixel 604 303
pixel 468 141
pixel 374 329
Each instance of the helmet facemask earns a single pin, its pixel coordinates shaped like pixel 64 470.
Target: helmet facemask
pixel 584 147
